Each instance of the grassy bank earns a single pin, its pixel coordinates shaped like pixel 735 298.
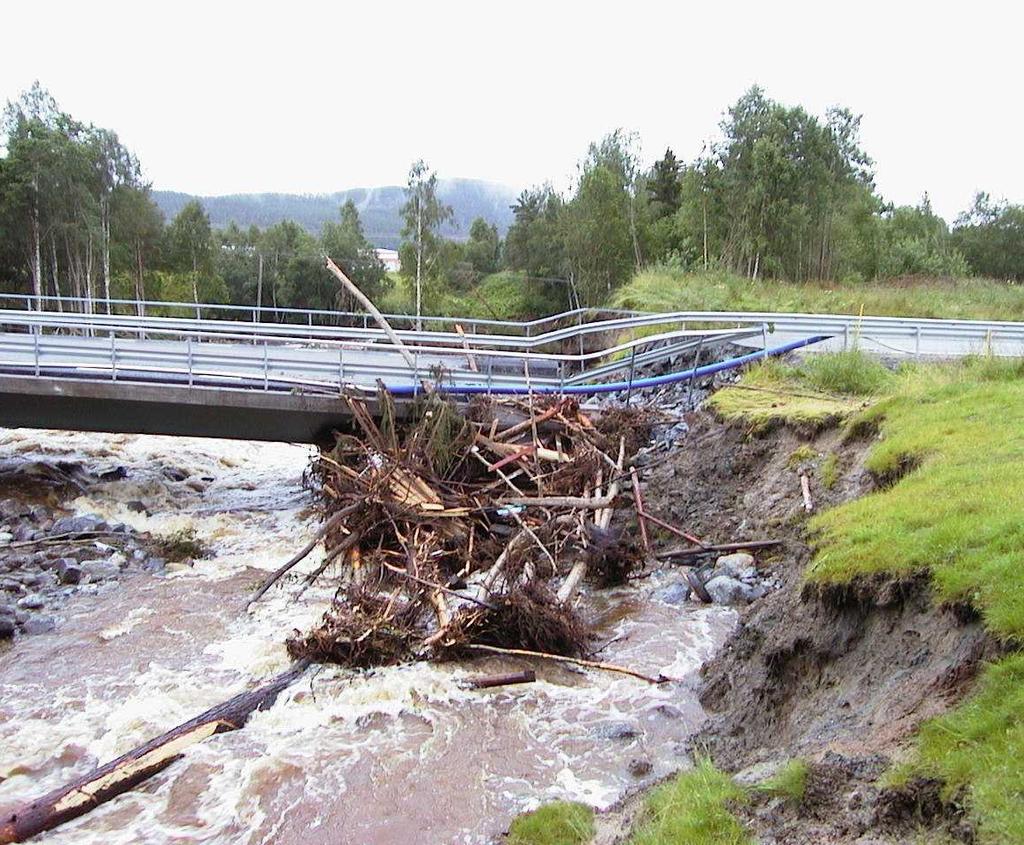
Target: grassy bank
pixel 659 289
pixel 950 464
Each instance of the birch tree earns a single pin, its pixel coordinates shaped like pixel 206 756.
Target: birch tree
pixel 423 214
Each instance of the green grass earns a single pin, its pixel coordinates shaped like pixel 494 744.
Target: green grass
pixel 789 782
pixel 979 747
pixel 952 454
pixel 801 455
pixel 830 471
pixel 693 808
pixel 558 823
pixel 952 447
pixel 664 289
pixel 852 373
pixel 773 394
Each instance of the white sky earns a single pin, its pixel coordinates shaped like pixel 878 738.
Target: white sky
pixel 220 97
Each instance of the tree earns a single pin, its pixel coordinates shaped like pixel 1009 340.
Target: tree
pixel 664 187
pixel 483 248
pixel 190 242
pixel 423 215
pixel 345 243
pixel 137 229
pixel 991 237
pixel 533 243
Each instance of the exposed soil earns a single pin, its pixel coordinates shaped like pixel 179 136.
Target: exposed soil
pixel 837 677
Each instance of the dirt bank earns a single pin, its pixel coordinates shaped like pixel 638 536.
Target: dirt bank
pixel 840 677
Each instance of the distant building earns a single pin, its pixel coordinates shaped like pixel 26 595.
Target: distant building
pixel 390 259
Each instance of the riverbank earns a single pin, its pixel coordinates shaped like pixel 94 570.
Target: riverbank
pixel 873 697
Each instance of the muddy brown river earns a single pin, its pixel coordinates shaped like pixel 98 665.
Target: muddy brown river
pixel 398 755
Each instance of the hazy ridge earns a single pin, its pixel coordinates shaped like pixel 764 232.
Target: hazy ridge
pixel 378 208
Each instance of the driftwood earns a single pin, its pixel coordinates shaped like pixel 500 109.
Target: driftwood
pixel 350 286
pixel 527 676
pixel 721 547
pixel 274 576
pixel 639 502
pixel 576 661
pixel 129 770
pixel 805 488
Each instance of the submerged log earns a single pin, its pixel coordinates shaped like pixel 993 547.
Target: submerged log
pixel 527 676
pixel 129 770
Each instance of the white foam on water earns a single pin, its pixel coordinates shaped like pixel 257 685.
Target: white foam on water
pixel 335 740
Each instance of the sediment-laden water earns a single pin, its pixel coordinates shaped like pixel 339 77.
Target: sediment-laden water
pixel 400 755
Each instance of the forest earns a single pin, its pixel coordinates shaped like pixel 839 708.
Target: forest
pixel 782 197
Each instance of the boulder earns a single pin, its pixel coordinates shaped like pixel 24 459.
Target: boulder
pixel 79 524
pixel 100 570
pixel 39 624
pixel 726 590
pixel 673 594
pixel 68 571
pixel 5 537
pixel 734 565
pixel 33 601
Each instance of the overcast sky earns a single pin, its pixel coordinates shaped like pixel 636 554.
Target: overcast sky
pixel 220 97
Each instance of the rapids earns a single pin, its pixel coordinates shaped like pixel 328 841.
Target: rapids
pixel 399 755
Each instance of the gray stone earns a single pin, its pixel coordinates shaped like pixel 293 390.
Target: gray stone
pixel 39 624
pixel 7 610
pixel 23 533
pixel 136 506
pixel 175 474
pixel 100 570
pixel 155 565
pixel 68 571
pixel 5 537
pixel 33 601
pixel 733 565
pixel 7 627
pixel 726 590
pixel 673 594
pixel 616 730
pixel 79 524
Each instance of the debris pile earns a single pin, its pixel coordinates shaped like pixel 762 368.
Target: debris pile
pixel 469 528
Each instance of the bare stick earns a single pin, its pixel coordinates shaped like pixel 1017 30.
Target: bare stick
pixel 805 488
pixel 559 502
pixel 305 550
pixel 639 502
pixel 723 547
pixel 590 664
pixel 672 529
pixel 369 306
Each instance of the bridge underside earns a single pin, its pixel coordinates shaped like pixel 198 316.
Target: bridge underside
pixel 126 407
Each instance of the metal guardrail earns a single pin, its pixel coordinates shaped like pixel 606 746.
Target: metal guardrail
pixel 881 332
pixel 45 341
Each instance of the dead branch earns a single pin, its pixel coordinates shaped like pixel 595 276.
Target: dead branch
pixel 577 661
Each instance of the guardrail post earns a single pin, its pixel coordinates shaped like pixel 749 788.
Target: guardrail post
pixel 416 376
pixel 309 315
pixel 846 337
pixel 266 367
pixel 490 374
pixel 632 370
pixel 36 343
pixel 341 369
pixel 188 350
pixel 693 373
pixel 113 357
pixel 917 341
pixel 764 335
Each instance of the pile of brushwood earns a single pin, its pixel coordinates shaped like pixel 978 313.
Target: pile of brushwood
pixel 468 529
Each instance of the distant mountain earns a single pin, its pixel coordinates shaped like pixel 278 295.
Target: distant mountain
pixel 378 208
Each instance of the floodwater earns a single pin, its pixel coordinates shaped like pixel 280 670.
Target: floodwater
pixel 398 755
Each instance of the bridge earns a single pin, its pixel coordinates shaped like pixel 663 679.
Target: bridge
pixel 282 374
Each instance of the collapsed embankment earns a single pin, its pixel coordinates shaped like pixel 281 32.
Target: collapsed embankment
pixel 837 676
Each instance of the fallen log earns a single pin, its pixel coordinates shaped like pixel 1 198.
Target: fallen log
pixel 722 547
pixel 527 676
pixel 129 770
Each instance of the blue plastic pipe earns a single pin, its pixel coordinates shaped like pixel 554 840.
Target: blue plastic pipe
pixel 610 387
